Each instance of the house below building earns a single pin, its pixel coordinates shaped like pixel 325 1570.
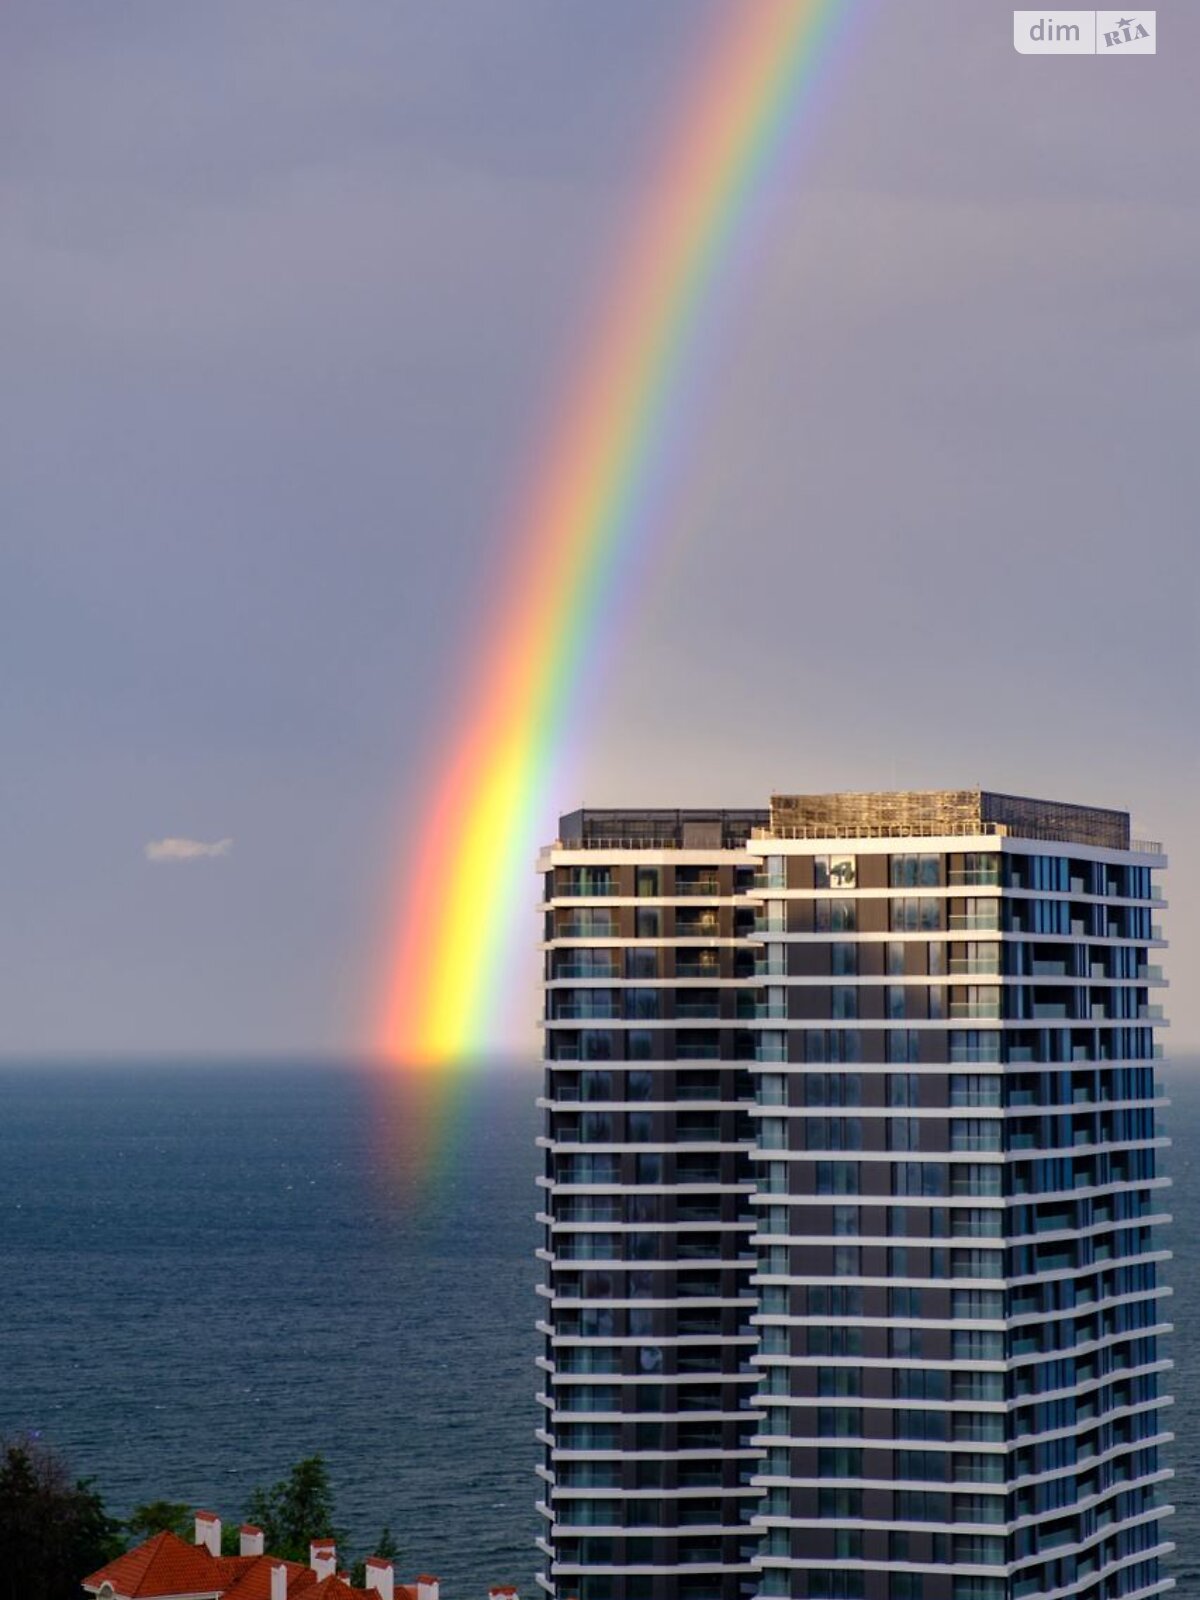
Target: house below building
pixel 166 1567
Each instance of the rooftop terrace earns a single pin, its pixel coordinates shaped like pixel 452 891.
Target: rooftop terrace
pixel 893 814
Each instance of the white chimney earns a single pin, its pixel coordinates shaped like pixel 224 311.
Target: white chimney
pixel 208 1532
pixel 428 1588
pixel 279 1582
pixel 381 1577
pixel 251 1540
pixel 322 1558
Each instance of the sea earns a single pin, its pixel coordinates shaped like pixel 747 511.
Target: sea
pixel 211 1270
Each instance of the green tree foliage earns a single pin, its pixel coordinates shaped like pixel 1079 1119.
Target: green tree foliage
pixel 160 1516
pixel 296 1510
pixel 54 1529
pixel 385 1548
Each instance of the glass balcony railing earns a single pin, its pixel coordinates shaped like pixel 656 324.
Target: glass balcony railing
pixel 990 1094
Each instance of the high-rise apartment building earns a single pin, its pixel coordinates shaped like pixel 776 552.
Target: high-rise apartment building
pixel 852 1285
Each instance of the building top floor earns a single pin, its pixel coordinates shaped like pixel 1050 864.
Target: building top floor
pixel 929 814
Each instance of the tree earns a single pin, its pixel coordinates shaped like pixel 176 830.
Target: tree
pixel 296 1510
pixel 160 1516
pixel 386 1549
pixel 53 1528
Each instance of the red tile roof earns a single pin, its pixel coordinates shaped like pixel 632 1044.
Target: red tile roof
pixel 164 1565
pixel 254 1583
pixel 167 1566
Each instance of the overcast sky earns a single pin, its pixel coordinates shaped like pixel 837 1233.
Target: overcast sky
pixel 284 287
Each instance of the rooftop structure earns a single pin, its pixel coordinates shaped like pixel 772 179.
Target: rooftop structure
pixel 166 1567
pixel 943 813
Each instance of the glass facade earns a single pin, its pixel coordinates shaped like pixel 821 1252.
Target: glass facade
pixel 854 1283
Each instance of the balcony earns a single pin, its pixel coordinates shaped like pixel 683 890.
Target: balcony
pixel 698 969
pixel 977 1141
pixel 988 968
pixel 705 1088
pixel 975 877
pixel 988 1095
pixel 983 923
pixel 709 888
pixel 585 930
pixel 697 1132
pixel 987 1009
pixel 598 974
pixel 698 1010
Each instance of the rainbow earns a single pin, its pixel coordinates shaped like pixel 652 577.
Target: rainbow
pixel 587 516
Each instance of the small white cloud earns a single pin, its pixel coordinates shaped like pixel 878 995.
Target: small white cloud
pixel 187 849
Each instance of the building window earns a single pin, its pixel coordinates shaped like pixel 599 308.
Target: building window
pixel 839 1504
pixel 833 1089
pixel 904 1133
pixel 844 1002
pixel 836 1381
pixel 837 1177
pixel 834 916
pixel 904 1089
pixel 903 1045
pixel 912 914
pixel 843 960
pixel 915 871
pixel 835 872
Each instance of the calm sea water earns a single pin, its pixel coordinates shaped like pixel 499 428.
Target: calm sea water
pixel 211 1271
